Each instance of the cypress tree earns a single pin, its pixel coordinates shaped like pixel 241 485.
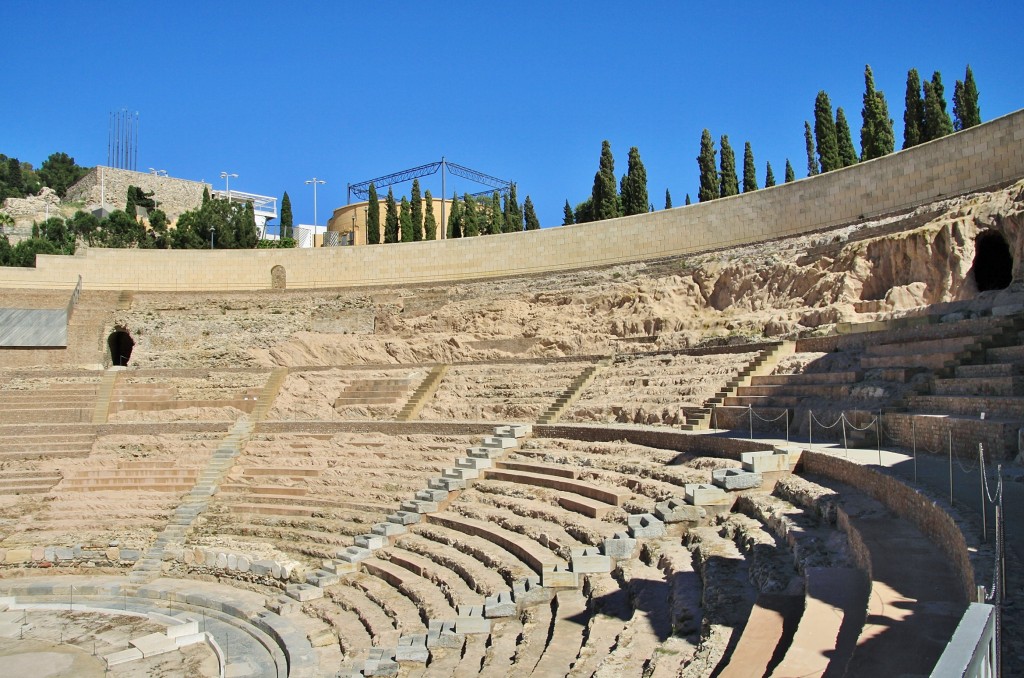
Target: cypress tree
pixel 634 185
pixel 405 220
pixel 708 173
pixel 825 134
pixel 812 162
pixel 429 220
pixel 790 175
pixel 936 120
pixel 129 204
pixel 668 200
pixel 604 197
pixel 749 172
pixel 286 216
pixel 470 224
pixel 729 184
pixel 687 201
pixel 769 177
pixel 913 110
pixel 455 218
pixel 876 135
pixel 530 215
pixel 373 217
pixel 248 237
pixel 416 205
pixel 966 112
pixel 206 195
pixel 513 213
pixel 391 219
pixel 847 153
pixel 567 218
pixel 496 219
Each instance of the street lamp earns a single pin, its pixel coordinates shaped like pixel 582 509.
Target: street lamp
pixel 211 237
pixel 315 181
pixel 226 176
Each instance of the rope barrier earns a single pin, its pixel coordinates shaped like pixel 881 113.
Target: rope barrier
pixel 859 429
pixel 768 421
pixel 833 425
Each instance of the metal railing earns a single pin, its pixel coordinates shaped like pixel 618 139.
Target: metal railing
pixel 74 298
pixel 972 652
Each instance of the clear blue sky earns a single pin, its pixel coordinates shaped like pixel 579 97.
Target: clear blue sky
pixel 280 92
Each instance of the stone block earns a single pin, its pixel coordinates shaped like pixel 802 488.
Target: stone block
pixel 38 553
pixel 676 510
pixel 480 452
pixel 130 555
pixel 243 564
pixel 735 479
pixel 461 473
pixel 340 567
pixel 500 442
pixel 513 430
pixel 645 526
pixel 232 562
pixel 354 554
pixel 431 494
pixel 471 620
pixel 442 634
pixel 284 605
pixel 619 547
pixel 380 662
pixel 220 561
pixel 499 605
pixel 49 553
pixel 527 592
pixel 16 556
pixel 589 560
pixel 153 644
pixel 122 657
pixel 63 553
pixel 182 629
pixel 370 541
pixel 322 578
pixel 388 529
pixel 448 484
pixel 764 461
pixel 304 592
pixel 190 639
pixel 705 494
pixel 417 506
pixel 559 577
pixel 477 463
pixel 404 518
pixel 412 648
pixel 262 568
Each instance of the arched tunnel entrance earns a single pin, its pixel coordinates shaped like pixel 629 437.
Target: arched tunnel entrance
pixel 993 263
pixel 121 344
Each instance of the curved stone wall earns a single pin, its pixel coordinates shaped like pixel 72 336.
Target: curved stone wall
pixel 977 158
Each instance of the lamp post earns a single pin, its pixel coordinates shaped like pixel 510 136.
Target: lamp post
pixel 226 176
pixel 315 181
pixel 211 237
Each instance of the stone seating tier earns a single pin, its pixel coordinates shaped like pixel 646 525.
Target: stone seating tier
pixel 611 496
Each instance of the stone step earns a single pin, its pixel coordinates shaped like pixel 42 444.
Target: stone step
pixel 980 386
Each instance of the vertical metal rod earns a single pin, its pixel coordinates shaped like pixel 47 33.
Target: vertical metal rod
pixel 810 429
pixel 750 416
pixel 842 418
pixel 981 487
pixel 444 196
pixel 787 426
pixel 950 467
pixel 878 430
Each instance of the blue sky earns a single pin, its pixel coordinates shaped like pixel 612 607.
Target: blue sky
pixel 281 92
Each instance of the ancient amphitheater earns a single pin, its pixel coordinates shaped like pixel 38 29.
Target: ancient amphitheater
pixel 678 444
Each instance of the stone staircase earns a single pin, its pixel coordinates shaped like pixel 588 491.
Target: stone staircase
pixel 104 394
pixel 422 394
pixel 572 393
pixel 763 364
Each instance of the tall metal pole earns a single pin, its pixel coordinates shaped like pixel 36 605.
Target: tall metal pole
pixel 315 181
pixel 226 176
pixel 444 196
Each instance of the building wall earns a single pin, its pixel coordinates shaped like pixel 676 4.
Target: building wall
pixel 973 159
pixel 352 217
pixel 173 196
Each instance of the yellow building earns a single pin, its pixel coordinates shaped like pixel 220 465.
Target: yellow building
pixel 349 221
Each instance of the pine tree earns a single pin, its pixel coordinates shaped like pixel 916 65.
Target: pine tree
pixel 749 171
pixel 206 195
pixel 496 219
pixel 286 216
pixel 530 215
pixel 913 110
pixel 391 219
pixel 405 220
pixel 513 213
pixel 429 220
pixel 567 218
pixel 708 173
pixel 634 185
pixel 847 153
pixel 729 184
pixel 416 205
pixel 373 217
pixel 825 134
pixel 876 135
pixel 455 218
pixel 470 224
pixel 129 204
pixel 790 175
pixel 937 123
pixel 687 200
pixel 247 235
pixel 769 177
pixel 966 112
pixel 604 197
pixel 668 200
pixel 812 162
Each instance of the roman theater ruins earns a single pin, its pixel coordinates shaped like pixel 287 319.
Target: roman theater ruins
pixel 711 440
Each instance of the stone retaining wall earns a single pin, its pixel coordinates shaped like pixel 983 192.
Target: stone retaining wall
pixel 173 196
pixel 931 518
pixel 931 435
pixel 977 158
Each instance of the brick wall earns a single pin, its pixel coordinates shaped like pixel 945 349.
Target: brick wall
pixel 973 159
pixel 932 435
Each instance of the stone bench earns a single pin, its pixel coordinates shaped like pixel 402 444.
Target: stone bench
pixel 612 496
pixel 705 494
pixel 535 556
pixel 536 467
pixel 585 506
pixel 764 461
pixel 736 479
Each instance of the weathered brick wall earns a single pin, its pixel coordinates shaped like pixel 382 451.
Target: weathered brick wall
pixel 980 157
pixel 665 439
pixel 931 435
pixel 173 196
pixel 933 520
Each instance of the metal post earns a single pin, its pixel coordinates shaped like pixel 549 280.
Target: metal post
pixel 950 467
pixel 787 426
pixel 750 416
pixel 878 430
pixel 913 443
pixel 810 429
pixel 846 447
pixel 981 481
pixel 444 196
